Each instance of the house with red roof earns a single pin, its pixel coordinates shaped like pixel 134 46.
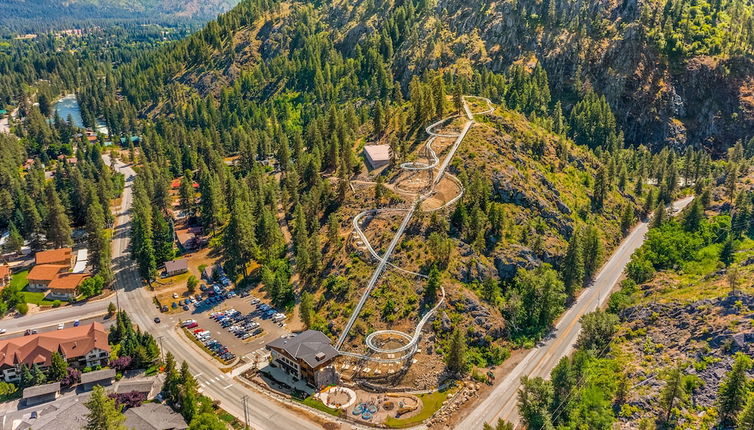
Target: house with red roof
pixel 82 346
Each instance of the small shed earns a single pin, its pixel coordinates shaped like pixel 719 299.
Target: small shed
pixel 175 267
pixel 41 393
pixel 377 155
pixel 102 377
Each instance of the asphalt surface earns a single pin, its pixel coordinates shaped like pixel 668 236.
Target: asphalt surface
pixel 502 402
pixel 264 413
pixel 65 314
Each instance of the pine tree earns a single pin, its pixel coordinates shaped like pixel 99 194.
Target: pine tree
pixel 734 390
pixel 456 359
pixel 558 121
pixel 692 220
pixel 103 413
pixel 306 309
pixel 58 367
pixel 458 98
pixel 187 194
pixel 660 216
pixel 600 189
pixel 58 224
pixel 333 231
pixel 673 393
pixel 379 190
pixel 239 239
pixel 38 376
pixel 439 92
pixel 573 265
pixel 433 284
pixel 97 239
pixel 593 252
pixel 27 379
pixel 729 248
pixel 746 418
pixel 627 219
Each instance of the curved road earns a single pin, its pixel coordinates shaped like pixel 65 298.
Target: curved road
pixel 264 413
pixel 502 401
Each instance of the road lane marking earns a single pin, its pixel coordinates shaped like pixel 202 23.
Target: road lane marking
pixel 225 388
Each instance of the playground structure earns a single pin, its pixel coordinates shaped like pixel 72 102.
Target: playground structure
pixel 436 171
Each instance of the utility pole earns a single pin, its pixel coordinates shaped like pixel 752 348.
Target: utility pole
pixel 245 412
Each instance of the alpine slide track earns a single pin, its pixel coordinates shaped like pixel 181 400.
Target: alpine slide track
pixel 436 170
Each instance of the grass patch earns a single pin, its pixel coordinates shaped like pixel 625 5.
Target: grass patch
pixel 230 419
pixel 316 404
pixel 19 280
pixel 431 403
pixel 36 298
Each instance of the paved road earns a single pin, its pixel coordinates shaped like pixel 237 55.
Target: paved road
pixel 66 314
pixel 502 401
pixel 264 412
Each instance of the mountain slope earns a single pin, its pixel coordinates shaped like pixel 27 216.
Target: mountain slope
pixel 675 73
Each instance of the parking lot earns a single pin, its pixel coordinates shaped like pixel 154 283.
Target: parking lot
pixel 230 317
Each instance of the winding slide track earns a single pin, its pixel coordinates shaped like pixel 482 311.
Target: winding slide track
pixel 412 340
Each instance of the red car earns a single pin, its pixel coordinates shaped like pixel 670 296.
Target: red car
pixel 192 325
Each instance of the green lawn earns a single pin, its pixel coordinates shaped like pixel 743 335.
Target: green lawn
pixel 316 404
pixel 431 403
pixel 36 298
pixel 19 281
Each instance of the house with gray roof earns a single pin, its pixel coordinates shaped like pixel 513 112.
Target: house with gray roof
pixel 307 356
pixel 154 416
pixel 41 393
pixel 102 377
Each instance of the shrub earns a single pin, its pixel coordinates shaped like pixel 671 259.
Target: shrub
pixel 22 308
pixel 56 304
pixel 72 377
pixel 132 399
pixel 640 270
pixel 122 363
pixel 191 283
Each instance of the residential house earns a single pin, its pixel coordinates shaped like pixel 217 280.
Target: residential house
pixel 62 256
pixel 186 240
pixel 307 356
pixel 175 267
pixel 65 286
pixel 4 275
pixel 82 346
pixel 42 275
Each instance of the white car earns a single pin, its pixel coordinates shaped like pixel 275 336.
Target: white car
pixel 60 326
pixel 2 331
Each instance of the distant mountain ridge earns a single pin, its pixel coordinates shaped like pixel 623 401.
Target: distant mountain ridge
pixel 28 15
